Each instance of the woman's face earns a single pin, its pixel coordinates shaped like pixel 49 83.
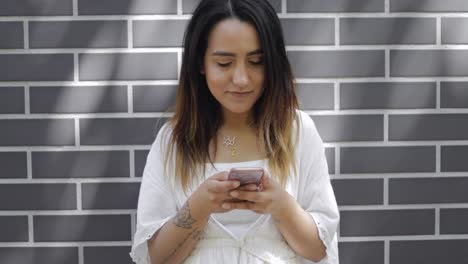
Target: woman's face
pixel 233 65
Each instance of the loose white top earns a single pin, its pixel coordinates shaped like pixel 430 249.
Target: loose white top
pixel 241 236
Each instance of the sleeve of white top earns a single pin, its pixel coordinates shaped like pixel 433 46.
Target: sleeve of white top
pixel 316 195
pixel 156 202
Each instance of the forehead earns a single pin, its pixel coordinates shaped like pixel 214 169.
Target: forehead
pixel 235 36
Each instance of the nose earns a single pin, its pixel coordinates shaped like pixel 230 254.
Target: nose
pixel 240 78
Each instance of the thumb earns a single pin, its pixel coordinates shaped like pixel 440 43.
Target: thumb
pixel 266 180
pixel 220 176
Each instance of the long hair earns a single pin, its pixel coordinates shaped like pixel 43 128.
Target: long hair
pixel 198 115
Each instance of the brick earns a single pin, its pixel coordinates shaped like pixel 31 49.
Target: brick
pixel 428 63
pixel 451 221
pixel 80 164
pixel 140 161
pixel 453 30
pixel 416 190
pixel 73 228
pixel 36 8
pixel 320 31
pixel 13 164
pixel 387 159
pixel 386 31
pixel 338 63
pixel 114 255
pixel 330 156
pixel 361 252
pixel 34 255
pixel 78 34
pixel 12 35
pixel 36 67
pixel 454 94
pixel 32 196
pixel 158 33
pixel 453 158
pixel 153 98
pixel 316 96
pixel 13 229
pixel 387 95
pixel 428 127
pixel 301 6
pixel 78 99
pixel 11 100
pixel 37 132
pixel 119 131
pixel 429 251
pixel 127 66
pixel 334 128
pixel 126 7
pixel 429 6
pixel 110 195
pixel 190 5
pixel 387 222
pixel 358 191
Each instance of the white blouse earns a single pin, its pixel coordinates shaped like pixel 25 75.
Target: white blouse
pixel 241 236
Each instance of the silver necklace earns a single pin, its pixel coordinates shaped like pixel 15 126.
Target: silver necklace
pixel 230 142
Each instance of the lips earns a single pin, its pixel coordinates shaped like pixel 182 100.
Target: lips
pixel 240 94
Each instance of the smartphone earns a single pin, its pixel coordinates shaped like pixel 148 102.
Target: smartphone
pixel 246 175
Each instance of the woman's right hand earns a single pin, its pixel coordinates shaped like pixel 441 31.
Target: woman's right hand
pixel 214 191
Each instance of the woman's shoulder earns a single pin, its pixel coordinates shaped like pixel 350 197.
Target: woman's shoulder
pixel 306 124
pixel 309 137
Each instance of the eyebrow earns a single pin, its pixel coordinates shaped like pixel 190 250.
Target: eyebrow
pixel 223 53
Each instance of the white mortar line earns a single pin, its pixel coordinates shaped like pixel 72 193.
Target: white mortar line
pixel 30 229
pixel 79 205
pixel 337 94
pixel 180 10
pixel 27 100
pixel 385 191
pixel 337 31
pixel 387 12
pixel 29 164
pixel 132 163
pixel 337 161
pixel 75 8
pixel 439 31
pixel 130 33
pixel 80 254
pixel 130 99
pixel 438 158
pixel 67 212
pixel 387 63
pixel 386 252
pixel 76 67
pixel 438 96
pixel 77 132
pixel 284 7
pixel 26 34
pixel 437 222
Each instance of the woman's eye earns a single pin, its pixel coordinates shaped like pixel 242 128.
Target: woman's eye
pixel 258 62
pixel 224 64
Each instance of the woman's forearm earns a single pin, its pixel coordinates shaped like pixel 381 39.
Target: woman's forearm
pixel 174 242
pixel 300 231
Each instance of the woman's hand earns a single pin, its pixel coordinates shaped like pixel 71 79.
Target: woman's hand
pixel 271 198
pixel 213 192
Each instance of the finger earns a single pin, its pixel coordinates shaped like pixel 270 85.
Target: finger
pixel 220 176
pixel 246 195
pixel 248 187
pixel 223 186
pixel 240 205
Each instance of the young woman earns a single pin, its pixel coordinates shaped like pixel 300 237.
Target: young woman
pixel 236 107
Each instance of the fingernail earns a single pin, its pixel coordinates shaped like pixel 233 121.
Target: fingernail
pixel 235 194
pixel 236 184
pixel 226 206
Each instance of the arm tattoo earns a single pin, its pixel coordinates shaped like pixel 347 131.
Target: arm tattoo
pixel 184 218
pixel 195 234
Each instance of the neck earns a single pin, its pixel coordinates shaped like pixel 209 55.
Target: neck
pixel 236 122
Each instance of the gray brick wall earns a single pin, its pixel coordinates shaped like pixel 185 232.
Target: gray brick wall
pixel 85 85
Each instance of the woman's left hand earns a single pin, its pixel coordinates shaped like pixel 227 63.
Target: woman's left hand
pixel 271 198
